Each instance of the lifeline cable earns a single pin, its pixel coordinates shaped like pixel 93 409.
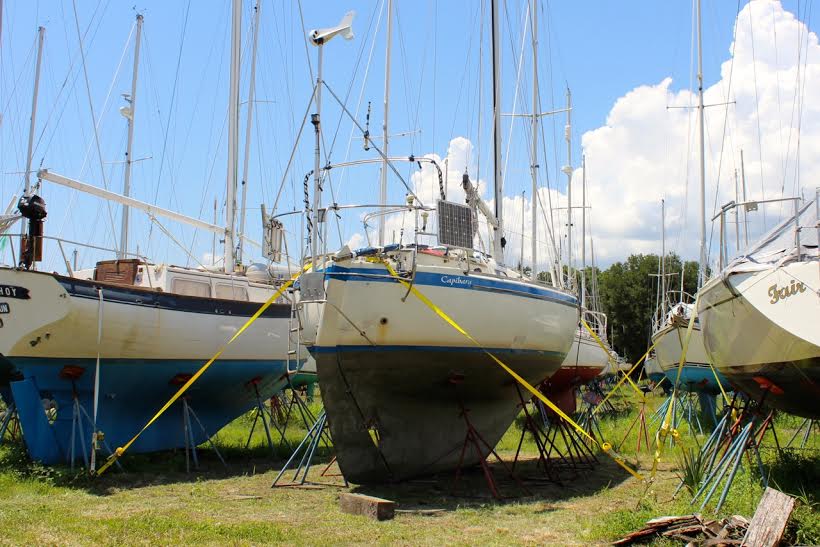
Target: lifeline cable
pixel 605 446
pixel 121 450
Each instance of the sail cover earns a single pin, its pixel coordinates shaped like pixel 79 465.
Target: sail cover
pixel 778 245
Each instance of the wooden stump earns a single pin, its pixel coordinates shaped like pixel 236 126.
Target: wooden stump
pixel 369 506
pixel 770 519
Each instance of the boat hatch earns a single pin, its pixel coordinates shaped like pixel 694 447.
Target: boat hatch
pixel 120 272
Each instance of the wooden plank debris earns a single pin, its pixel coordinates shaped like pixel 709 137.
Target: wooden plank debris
pixel 769 523
pixel 692 529
pixel 368 506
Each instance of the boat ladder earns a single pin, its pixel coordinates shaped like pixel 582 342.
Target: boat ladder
pixel 295 329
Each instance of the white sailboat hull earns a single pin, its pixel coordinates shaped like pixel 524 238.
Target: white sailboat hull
pixel 150 342
pixel 763 340
pixel 391 369
pixel 696 374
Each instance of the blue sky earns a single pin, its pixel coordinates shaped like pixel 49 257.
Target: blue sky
pixel 602 50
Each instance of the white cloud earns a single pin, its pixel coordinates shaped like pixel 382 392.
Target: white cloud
pixel 647 151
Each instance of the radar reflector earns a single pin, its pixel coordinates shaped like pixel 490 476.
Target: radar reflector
pixel 455 225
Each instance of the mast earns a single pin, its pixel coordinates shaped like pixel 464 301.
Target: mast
pixel 319 37
pixel 41 32
pixel 583 231
pixel 702 263
pixel 128 112
pixel 521 262
pixel 383 182
pixel 233 136
pixel 663 258
pixel 737 217
pixel 317 158
pixel 248 124
pixel 213 239
pixel 534 151
pixel 498 235
pixel 568 172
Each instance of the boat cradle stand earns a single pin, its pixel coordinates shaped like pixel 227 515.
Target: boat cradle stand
pixel 481 448
pixel 740 432
pixel 10 424
pixel 190 443
pixel 82 423
pixel 318 431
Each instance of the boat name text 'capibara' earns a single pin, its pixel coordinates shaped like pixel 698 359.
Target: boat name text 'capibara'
pixel 447 280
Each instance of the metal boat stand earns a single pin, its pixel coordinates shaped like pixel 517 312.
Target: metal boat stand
pixel 684 407
pixel 643 433
pixel 79 417
pixel 474 440
pixel 265 415
pixel 318 431
pixel 725 448
pixel 190 443
pixel 282 412
pixel 594 393
pixel 588 419
pixel 532 427
pixel 577 453
pixel 809 425
pixel 10 424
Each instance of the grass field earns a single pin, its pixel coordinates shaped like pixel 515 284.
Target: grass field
pixel 156 502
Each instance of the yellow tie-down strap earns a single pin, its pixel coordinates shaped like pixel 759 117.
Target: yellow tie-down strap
pixel 604 446
pixel 121 450
pixel 666 427
pixel 614 362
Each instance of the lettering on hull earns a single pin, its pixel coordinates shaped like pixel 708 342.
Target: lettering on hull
pixel 781 293
pixel 13 291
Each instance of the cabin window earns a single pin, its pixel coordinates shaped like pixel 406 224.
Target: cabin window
pixel 189 287
pixel 231 292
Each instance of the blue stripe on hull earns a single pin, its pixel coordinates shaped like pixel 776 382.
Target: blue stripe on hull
pixel 131 392
pixel 498 352
pixel 699 379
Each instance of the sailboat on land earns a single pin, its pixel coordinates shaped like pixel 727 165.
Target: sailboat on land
pixel 403 389
pixel 760 314
pixel 106 347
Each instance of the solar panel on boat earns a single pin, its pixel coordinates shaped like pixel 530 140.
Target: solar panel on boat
pixel 455 225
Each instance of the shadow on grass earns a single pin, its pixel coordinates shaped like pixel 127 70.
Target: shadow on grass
pixel 442 492
pixel 166 467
